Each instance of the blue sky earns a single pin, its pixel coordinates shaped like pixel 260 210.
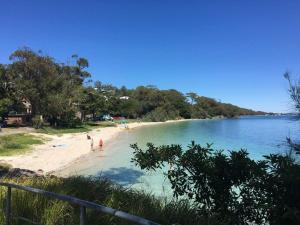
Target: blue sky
pixel 235 51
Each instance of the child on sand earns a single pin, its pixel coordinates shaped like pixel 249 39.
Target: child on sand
pixel 101 144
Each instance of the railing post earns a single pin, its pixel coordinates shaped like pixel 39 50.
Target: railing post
pixel 82 215
pixel 8 206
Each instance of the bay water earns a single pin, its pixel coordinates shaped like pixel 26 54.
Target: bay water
pixel 260 135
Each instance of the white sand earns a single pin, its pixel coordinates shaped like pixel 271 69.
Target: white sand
pixel 59 151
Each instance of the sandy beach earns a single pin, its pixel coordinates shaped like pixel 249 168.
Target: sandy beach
pixel 59 151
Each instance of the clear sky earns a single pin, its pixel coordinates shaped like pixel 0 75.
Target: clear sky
pixel 235 51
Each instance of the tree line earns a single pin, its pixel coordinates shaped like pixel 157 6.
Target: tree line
pixel 57 92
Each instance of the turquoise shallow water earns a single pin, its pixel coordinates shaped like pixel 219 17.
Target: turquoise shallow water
pixel 260 135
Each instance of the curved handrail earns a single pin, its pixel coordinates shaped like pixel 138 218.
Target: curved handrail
pixel 83 203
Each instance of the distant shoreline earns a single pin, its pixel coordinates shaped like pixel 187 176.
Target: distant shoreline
pixel 61 151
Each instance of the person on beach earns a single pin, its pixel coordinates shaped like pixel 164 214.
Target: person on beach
pixel 101 144
pixel 92 144
pixel 88 136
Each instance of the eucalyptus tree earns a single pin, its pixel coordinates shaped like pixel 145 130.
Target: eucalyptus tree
pixel 53 89
pixel 175 101
pixel 149 98
pixel 33 75
pixel 5 91
pixel 9 94
pixel 192 96
pixel 93 101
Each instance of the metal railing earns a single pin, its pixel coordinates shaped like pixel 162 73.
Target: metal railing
pixel 82 203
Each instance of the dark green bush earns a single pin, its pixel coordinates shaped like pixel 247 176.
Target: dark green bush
pixel 37 122
pixel 229 188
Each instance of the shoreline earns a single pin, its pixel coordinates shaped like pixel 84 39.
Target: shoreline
pixel 60 151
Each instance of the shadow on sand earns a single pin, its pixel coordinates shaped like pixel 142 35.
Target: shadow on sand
pixel 123 175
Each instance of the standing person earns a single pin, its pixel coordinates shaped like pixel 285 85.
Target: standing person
pixel 101 144
pixel 92 144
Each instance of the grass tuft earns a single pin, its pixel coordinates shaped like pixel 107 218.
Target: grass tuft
pixel 50 211
pixel 82 128
pixel 15 144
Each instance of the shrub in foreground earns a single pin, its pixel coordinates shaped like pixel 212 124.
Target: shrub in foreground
pixel 231 188
pixel 53 212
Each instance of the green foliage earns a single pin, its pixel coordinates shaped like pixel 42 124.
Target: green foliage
pixel 93 102
pixel 4 168
pixel 37 122
pixel 58 93
pixel 5 104
pixel 8 100
pixel 86 127
pixel 231 188
pixel 129 108
pixel 198 112
pixel 162 114
pixel 49 211
pixel 15 144
pixel 208 107
pixel 52 88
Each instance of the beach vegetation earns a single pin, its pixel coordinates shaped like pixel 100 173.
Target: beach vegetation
pixel 230 187
pixel 49 211
pixel 161 114
pixel 4 168
pixel 83 127
pixel 16 144
pixel 37 122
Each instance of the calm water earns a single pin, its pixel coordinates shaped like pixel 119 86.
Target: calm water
pixel 260 135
